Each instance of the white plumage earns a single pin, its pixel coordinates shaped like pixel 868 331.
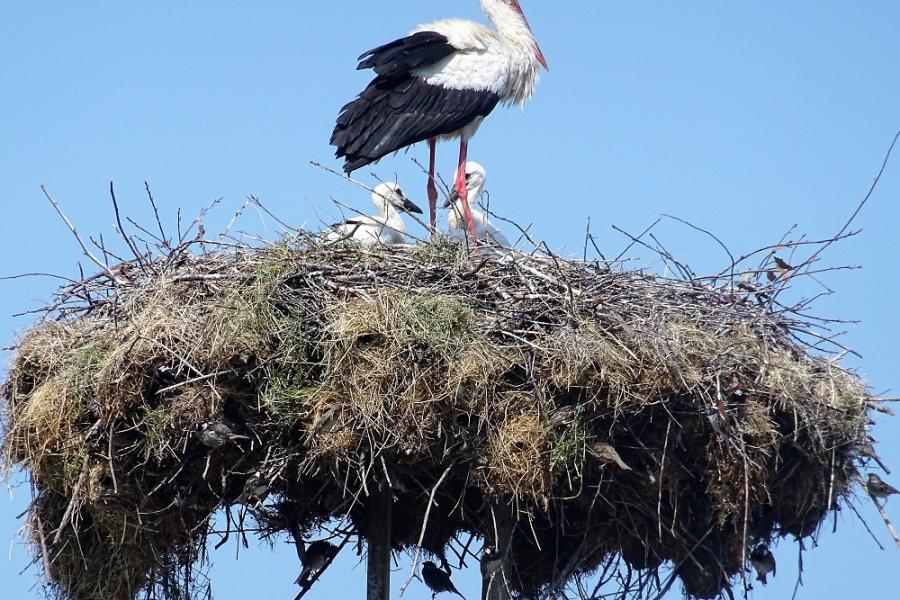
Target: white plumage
pixel 440 82
pixel 505 61
pixel 387 227
pixel 476 178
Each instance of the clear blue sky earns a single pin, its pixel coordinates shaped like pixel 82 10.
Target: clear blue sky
pixel 744 118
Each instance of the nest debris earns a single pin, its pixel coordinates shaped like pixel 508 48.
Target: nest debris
pixel 629 421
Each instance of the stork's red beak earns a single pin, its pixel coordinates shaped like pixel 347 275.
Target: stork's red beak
pixel 537 49
pixel 540 56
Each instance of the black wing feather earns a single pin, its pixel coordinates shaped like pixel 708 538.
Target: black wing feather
pixel 398 109
pixel 401 56
pixel 394 113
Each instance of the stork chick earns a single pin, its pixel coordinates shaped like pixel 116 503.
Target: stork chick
pixel 476 178
pixel 386 227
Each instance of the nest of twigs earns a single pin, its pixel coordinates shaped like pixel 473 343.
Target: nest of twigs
pixel 627 421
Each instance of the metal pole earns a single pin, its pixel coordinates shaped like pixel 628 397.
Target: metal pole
pixel 496 562
pixel 379 543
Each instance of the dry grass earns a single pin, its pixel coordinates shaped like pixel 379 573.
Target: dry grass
pixel 341 368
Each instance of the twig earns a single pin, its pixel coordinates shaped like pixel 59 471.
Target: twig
pixel 256 202
pixel 866 525
pixel 634 240
pixel 84 248
pixel 415 563
pixel 860 206
pixel 45 555
pixel 50 275
pixel 884 516
pixel 162 233
pixel 67 515
pixel 710 234
pixel 128 241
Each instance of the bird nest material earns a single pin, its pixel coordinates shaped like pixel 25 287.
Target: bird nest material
pixel 628 421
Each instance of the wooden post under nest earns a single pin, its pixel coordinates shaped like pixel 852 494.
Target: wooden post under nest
pixel 379 542
pixel 495 557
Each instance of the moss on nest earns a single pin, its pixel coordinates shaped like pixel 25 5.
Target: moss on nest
pixel 510 375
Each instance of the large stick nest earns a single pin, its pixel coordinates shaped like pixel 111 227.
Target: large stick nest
pixel 627 421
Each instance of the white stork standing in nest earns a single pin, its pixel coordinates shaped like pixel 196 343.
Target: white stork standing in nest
pixel 440 82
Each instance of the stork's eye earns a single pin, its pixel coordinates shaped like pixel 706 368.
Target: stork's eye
pixel 468 176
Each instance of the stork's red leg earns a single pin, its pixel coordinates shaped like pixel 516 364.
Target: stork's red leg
pixel 463 192
pixel 432 189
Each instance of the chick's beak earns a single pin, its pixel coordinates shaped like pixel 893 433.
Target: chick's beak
pixel 452 198
pixel 410 207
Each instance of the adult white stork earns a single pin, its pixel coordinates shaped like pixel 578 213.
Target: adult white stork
pixel 440 82
pixel 476 178
pixel 386 227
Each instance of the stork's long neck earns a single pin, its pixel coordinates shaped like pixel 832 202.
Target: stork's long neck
pixel 509 22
